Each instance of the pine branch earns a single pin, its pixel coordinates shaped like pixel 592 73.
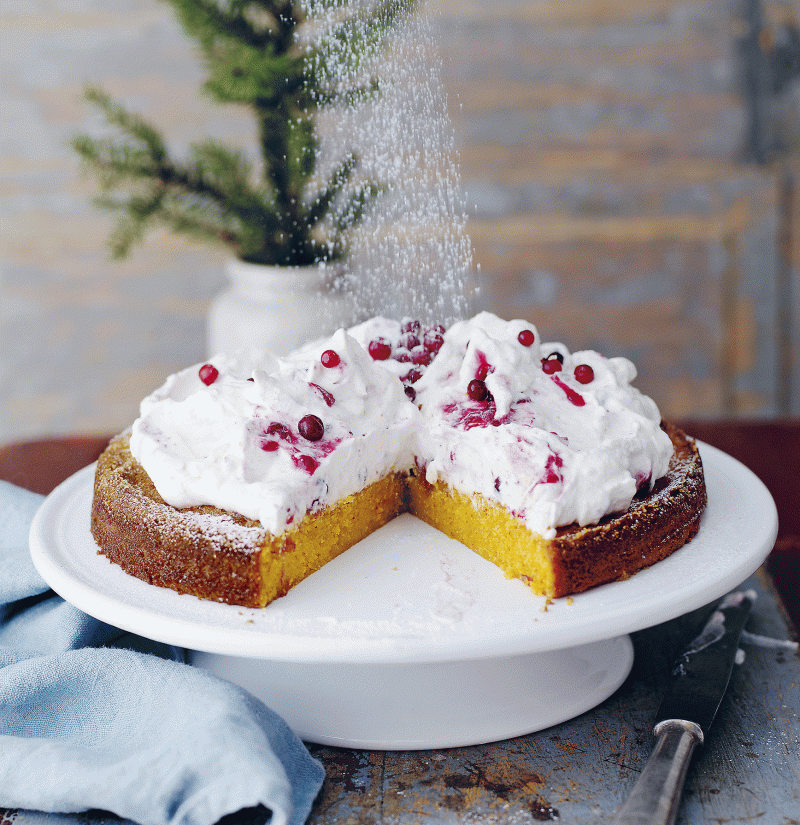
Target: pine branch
pixel 251 51
pixel 133 125
pixel 216 181
pixel 337 181
pixel 197 221
pixel 360 37
pixel 207 22
pixel 136 215
pixel 243 76
pixel 356 207
pixel 247 63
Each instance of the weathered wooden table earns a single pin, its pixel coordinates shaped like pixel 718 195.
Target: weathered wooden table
pixel 581 771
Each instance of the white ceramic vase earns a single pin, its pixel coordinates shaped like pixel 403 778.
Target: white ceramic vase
pixel 277 308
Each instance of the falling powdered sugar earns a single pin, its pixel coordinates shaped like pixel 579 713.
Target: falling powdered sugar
pixel 411 255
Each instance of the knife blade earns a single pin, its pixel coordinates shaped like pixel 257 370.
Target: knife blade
pixel 698 681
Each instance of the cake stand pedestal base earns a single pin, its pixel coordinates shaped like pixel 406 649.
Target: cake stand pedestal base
pixel 422 705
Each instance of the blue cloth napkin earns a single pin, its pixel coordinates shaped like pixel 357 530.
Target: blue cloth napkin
pixel 94 718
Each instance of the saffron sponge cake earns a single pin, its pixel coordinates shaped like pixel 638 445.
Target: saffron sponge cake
pixel 244 475
pixel 657 522
pixel 219 555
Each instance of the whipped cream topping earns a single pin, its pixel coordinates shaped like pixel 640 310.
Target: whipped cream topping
pixel 238 442
pixel 555 444
pixel 551 447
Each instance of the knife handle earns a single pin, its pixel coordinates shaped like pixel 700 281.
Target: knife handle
pixel 655 796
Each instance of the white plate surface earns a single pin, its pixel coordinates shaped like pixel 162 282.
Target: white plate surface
pixel 408 593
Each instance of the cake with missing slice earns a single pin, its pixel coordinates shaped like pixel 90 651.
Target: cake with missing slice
pixel 243 476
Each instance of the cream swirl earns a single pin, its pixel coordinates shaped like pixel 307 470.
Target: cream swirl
pixel 238 443
pixel 549 447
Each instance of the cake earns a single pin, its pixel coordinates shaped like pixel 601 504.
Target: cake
pixel 244 475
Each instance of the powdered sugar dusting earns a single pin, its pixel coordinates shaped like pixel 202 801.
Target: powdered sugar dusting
pixel 219 531
pixel 454 595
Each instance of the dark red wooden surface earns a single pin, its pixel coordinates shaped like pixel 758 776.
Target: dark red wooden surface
pixel 771 449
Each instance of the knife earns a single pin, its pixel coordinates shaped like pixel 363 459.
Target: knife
pixel 697 684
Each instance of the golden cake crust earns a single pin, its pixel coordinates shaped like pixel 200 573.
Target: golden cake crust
pixel 202 551
pixel 225 557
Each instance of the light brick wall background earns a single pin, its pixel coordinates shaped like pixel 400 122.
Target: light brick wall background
pixel 607 154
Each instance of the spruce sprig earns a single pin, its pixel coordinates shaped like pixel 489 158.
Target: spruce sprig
pixel 276 211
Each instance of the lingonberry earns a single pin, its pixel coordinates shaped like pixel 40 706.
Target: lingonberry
pixel 379 349
pixel 408 341
pixel 483 370
pixel 476 390
pixel 311 428
pixel 421 357
pixel 208 374
pixel 330 358
pixel 433 340
pixel 584 374
pixel 526 337
pixel 326 396
pixel 307 463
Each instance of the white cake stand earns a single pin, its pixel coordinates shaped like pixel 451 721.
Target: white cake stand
pixel 409 640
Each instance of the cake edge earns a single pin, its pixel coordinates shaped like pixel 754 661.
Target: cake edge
pixel 651 529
